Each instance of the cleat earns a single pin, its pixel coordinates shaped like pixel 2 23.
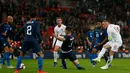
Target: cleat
pixel 55 63
pixel 96 59
pixel 109 65
pixel 40 71
pixel 104 67
pixel 63 67
pixel 11 67
pixel 16 71
pixel 81 68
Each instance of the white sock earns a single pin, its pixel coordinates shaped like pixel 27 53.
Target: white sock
pixel 102 53
pixel 109 60
pixel 34 55
pixel 55 56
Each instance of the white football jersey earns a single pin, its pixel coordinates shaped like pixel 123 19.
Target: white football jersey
pixel 114 32
pixel 59 31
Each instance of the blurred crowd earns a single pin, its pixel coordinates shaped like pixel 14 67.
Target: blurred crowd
pixel 80 16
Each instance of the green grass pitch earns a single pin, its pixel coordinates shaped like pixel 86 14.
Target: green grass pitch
pixel 118 66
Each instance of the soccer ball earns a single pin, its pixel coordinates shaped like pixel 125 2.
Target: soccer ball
pixel 22 66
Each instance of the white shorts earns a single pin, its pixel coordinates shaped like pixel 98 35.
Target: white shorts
pixel 114 46
pixel 59 43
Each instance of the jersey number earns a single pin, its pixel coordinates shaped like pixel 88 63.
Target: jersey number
pixel 29 28
pixel 71 44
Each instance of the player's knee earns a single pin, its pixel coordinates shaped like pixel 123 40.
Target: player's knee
pixel 6 49
pixel 56 48
pixel 106 46
pixel 21 53
pixel 40 54
pixel 11 50
pixel 111 53
pixel 94 50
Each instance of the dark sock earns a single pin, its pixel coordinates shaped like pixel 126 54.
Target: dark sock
pixel 64 63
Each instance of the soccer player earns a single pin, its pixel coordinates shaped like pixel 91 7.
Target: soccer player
pixel 66 49
pixel 100 38
pixel 5 30
pixel 32 32
pixel 115 41
pixel 59 30
pixel 90 38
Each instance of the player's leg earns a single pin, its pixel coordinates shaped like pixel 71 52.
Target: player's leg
pixel 63 61
pixel 1 53
pixel 94 55
pixel 106 56
pixel 21 54
pixel 6 48
pixel 72 58
pixel 37 49
pixel 55 54
pixel 110 58
pixel 104 49
pixel 90 54
pixel 114 48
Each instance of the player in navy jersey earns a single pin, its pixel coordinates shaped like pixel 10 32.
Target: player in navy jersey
pixel 100 38
pixel 5 40
pixel 90 39
pixel 66 49
pixel 31 33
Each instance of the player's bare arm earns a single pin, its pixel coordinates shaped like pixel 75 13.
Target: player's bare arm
pixel 59 38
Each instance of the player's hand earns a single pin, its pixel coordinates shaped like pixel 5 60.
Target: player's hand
pixel 99 44
pixel 53 34
pixel 4 34
pixel 90 43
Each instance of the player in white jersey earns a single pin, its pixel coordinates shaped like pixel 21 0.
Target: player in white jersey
pixel 59 30
pixel 115 41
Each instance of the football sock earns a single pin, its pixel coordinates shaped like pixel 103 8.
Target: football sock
pixel 106 56
pixel 55 56
pixel 19 61
pixel 78 65
pixel 4 58
pixel 109 60
pixel 8 59
pixel 102 53
pixel 40 63
pixel 64 63
pixel 90 57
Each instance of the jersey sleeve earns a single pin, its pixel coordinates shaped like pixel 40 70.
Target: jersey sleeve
pixel 54 39
pixel 64 30
pixel 38 32
pixel 110 32
pixel 105 33
pixel 67 38
pixel 2 28
pixel 55 32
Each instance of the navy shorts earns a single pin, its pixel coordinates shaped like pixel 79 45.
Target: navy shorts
pixel 4 43
pixel 34 45
pixel 98 48
pixel 71 56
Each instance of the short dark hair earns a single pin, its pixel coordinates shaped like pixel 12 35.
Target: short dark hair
pixel 59 18
pixel 33 15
